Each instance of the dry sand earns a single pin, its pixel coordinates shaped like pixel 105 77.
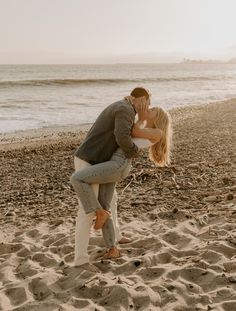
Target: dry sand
pixel 182 220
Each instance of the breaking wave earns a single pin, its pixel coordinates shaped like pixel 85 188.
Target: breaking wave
pixel 77 82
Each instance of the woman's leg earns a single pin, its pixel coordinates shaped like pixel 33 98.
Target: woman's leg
pixel 104 173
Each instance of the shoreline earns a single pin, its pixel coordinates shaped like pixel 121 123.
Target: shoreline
pixel 44 132
pixel 57 131
pixel 191 125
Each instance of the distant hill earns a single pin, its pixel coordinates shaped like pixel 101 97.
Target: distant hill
pixel 232 61
pixel 202 61
pixel 208 61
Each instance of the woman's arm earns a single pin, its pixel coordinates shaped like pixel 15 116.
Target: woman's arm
pixel 154 135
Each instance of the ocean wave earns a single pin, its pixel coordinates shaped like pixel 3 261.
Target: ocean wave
pixel 76 82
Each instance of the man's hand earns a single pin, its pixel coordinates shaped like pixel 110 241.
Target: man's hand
pixel 142 108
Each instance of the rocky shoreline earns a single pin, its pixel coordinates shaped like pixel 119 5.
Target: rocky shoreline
pixel 35 173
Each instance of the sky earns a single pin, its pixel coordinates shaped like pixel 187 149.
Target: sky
pixel 98 31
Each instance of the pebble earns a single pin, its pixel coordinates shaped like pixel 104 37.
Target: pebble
pixel 226 180
pixel 199 179
pixel 232 279
pixel 167 184
pixel 193 165
pixel 211 198
pixel 137 263
pixel 58 222
pixel 10 213
pixel 165 190
pixel 229 196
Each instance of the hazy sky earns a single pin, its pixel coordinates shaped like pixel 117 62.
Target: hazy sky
pixel 34 31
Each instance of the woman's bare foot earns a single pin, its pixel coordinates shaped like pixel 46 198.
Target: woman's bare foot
pixel 112 253
pixel 124 240
pixel 101 217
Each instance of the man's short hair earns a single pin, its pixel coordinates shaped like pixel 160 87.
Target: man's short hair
pixel 139 92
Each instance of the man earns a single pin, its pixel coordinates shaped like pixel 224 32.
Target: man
pixel 111 130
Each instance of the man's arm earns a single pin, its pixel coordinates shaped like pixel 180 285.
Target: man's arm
pixel 122 131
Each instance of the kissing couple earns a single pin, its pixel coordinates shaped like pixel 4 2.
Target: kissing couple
pixel 104 158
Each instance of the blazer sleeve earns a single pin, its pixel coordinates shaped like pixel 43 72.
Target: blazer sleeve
pixel 124 122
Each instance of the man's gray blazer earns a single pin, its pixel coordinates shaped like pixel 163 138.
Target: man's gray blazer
pixel 111 130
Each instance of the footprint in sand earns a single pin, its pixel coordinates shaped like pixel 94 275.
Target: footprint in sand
pixel 165 258
pixel 44 260
pixel 39 289
pixel 7 248
pixel 212 257
pixel 16 295
pixel 150 273
pixel 52 239
pixel 174 238
pixel 207 280
pixel 26 269
pixel 23 252
pixel 34 233
pixel 222 248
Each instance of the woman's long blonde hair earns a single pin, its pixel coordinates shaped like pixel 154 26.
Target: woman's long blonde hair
pixel 159 153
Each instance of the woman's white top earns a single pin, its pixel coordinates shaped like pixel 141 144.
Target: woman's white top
pixel 142 143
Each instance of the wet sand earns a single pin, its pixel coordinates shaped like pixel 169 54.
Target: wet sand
pixel 181 219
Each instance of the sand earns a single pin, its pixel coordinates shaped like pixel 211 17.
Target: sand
pixel 181 219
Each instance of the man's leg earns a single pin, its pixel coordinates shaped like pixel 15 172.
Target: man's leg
pixel 83 224
pixel 114 200
pixel 118 236
pixel 105 195
pixel 82 235
pixel 106 192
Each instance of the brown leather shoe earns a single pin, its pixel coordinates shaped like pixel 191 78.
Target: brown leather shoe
pixel 101 217
pixel 113 253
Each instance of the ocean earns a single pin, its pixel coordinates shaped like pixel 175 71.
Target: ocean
pixel 37 96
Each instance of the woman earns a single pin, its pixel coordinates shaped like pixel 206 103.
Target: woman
pixel 156 135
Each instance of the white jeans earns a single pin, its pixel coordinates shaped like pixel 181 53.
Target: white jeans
pixel 84 222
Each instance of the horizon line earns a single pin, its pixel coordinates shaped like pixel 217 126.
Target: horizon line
pixel 188 61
